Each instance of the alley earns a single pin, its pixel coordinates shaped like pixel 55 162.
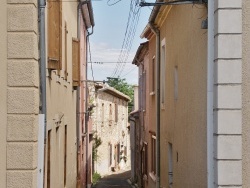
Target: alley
pixel 118 180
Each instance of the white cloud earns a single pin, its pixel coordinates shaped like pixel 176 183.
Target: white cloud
pixel 101 52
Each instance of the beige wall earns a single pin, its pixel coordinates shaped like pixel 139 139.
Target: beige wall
pixel 246 93
pixel 183 121
pixel 61 109
pixel 23 94
pixel 3 90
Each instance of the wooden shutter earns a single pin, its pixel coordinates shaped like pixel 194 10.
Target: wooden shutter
pixel 54 34
pixel 76 62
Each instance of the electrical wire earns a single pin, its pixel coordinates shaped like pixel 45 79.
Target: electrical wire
pixel 111 4
pixel 131 70
pixel 90 59
pixel 133 19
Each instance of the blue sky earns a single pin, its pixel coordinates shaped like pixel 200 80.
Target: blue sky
pixel 106 42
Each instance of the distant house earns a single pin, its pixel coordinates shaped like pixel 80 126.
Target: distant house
pixel 143 116
pixel 110 124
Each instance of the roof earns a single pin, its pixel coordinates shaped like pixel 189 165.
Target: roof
pixel 114 92
pixel 140 53
pixel 88 15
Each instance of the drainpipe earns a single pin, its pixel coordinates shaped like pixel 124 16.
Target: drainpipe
pixel 80 12
pixel 134 145
pixel 157 33
pixel 43 107
pixel 86 107
pixel 210 91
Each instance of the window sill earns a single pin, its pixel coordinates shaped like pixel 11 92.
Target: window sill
pixel 152 176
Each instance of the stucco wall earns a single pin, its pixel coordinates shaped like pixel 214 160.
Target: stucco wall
pixel 3 90
pixel 23 94
pixel 183 121
pixel 61 109
pixel 246 93
pixel 110 132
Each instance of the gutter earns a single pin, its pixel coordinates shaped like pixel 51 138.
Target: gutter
pixel 158 126
pixel 156 31
pixel 210 97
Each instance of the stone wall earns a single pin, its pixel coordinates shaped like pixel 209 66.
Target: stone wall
pixel 22 94
pixel 110 131
pixel 228 93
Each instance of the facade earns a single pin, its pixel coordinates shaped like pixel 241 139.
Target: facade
pixel 26 160
pixel 144 116
pixel 110 124
pixel 202 106
pixel 19 94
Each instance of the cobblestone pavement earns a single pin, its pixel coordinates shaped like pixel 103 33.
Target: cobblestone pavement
pixel 115 180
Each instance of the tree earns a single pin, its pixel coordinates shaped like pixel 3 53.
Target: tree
pixel 121 85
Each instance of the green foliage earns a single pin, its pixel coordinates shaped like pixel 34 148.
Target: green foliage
pixel 96 178
pixel 96 144
pixel 122 86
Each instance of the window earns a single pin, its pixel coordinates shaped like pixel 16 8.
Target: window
pixel 54 35
pixel 144 159
pixel 116 112
pixel 76 62
pixel 163 73
pixel 65 51
pixel 153 76
pixel 48 158
pixel 170 164
pixel 153 154
pixel 65 155
pixel 110 154
pixel 110 114
pixel 102 114
pixel 176 83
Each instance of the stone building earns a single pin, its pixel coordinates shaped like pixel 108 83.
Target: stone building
pixel 110 124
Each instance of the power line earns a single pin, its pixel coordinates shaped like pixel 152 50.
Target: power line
pixel 91 62
pixel 131 27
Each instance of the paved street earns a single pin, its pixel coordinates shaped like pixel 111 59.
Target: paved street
pixel 118 180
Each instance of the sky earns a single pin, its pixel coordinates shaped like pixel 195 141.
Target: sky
pixel 107 39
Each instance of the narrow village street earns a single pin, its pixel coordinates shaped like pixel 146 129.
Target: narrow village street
pixel 118 179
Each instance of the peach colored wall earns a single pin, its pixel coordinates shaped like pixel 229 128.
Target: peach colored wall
pixel 183 121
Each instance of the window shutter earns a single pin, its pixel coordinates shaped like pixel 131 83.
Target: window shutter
pixel 76 62
pixel 54 35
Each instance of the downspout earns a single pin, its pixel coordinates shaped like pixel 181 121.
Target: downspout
pixel 157 33
pixel 86 107
pixel 134 145
pixel 210 92
pixel 80 12
pixel 43 107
